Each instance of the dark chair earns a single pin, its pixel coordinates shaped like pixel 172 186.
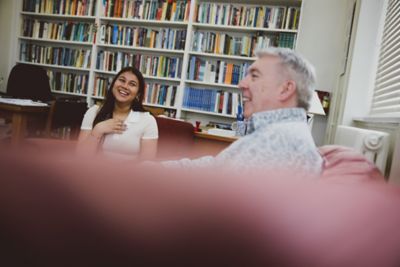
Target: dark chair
pixel 65 118
pixel 175 138
pixel 29 82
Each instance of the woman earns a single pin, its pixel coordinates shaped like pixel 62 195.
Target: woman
pixel 121 125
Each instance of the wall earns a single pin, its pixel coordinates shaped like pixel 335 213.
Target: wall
pixel 364 59
pixel 322 40
pixel 8 22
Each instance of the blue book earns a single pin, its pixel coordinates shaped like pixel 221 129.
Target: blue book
pixel 115 35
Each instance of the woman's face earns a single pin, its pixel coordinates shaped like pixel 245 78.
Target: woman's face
pixel 126 87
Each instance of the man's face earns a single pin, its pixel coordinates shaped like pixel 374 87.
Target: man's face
pixel 261 86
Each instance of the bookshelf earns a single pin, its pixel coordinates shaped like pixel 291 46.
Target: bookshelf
pixel 192 53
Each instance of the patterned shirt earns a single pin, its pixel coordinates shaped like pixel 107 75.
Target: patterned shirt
pixel 276 139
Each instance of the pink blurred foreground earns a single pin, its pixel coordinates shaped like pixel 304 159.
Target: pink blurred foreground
pixel 57 209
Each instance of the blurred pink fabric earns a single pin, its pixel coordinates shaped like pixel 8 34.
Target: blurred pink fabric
pixel 60 210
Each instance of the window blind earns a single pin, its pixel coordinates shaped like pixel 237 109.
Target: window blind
pixel 386 97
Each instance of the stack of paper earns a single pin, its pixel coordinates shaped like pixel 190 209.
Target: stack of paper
pixel 22 102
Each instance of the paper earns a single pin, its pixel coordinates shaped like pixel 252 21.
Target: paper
pixel 22 102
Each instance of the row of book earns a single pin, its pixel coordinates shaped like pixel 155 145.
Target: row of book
pixel 272 17
pixel 68 31
pixel 163 38
pixel 160 94
pixel 167 10
pixel 287 40
pixel 157 66
pixel 61 7
pixel 62 56
pixel 101 85
pixel 246 45
pixel 212 100
pixel 68 82
pixel 216 71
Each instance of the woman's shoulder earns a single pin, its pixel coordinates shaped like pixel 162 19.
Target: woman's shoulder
pixel 93 110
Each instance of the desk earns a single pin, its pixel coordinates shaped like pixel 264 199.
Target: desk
pixel 19 115
pixel 209 144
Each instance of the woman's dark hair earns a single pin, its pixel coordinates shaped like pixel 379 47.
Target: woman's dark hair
pixel 106 110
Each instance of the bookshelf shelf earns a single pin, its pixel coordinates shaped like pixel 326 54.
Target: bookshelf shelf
pixel 147 22
pixel 208 113
pixel 158 106
pixel 222 56
pixel 154 33
pixel 54 41
pixel 55 66
pixel 213 85
pixel 58 16
pixel 112 73
pixel 238 28
pixel 68 93
pixel 147 49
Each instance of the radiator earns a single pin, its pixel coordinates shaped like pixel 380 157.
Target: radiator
pixel 371 143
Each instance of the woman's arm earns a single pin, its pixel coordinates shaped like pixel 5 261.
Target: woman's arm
pixel 148 149
pixel 89 140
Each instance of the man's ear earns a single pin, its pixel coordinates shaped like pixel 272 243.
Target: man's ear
pixel 288 90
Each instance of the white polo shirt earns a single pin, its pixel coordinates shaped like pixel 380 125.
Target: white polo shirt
pixel 140 125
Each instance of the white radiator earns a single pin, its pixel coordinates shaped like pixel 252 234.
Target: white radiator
pixel 373 144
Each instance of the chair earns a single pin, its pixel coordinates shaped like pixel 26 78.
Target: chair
pixel 65 118
pixel 374 145
pixel 30 82
pixel 175 138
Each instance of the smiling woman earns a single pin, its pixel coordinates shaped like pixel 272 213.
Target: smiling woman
pixel 121 126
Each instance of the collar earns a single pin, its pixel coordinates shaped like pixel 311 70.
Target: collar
pixel 133 116
pixel 262 119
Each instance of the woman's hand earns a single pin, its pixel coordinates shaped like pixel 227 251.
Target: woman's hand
pixel 109 126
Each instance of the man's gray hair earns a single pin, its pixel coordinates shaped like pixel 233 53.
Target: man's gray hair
pixel 298 68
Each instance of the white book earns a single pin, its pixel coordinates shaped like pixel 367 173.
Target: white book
pixel 225 104
pixel 221 72
pixel 213 72
pixel 36 26
pixel 169 95
pixel 119 61
pixel 89 10
pixel 217 97
pixel 45 29
pixel 206 76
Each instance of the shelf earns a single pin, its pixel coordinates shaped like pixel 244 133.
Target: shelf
pixel 176 80
pixel 158 106
pixel 57 16
pixel 68 93
pixel 240 29
pixel 54 66
pixel 55 41
pixel 201 54
pixel 138 48
pixel 230 86
pixel 208 113
pixel 141 22
pixel 97 97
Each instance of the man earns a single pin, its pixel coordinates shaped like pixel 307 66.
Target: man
pixel 276 94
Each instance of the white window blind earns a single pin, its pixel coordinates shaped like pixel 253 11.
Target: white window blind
pixel 386 98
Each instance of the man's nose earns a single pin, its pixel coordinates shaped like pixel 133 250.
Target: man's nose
pixel 243 83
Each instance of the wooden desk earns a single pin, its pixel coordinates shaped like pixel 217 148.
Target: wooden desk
pixel 19 115
pixel 209 144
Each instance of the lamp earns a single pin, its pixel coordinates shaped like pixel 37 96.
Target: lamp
pixel 314 109
pixel 315 105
